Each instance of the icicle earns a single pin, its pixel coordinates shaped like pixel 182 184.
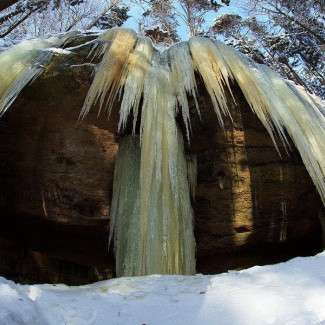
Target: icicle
pixel 183 79
pixel 311 99
pixel 258 93
pixel 214 72
pixel 110 75
pixel 304 123
pixel 165 239
pixel 21 64
pixel 219 65
pixel 166 235
pixel 137 67
pixel 276 102
pixel 124 65
pixel 152 220
pixel 125 212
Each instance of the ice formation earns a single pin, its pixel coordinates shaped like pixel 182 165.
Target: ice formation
pixel 115 47
pixel 125 211
pixel 151 209
pixel 22 63
pixel 152 217
pixel 166 235
pixel 165 81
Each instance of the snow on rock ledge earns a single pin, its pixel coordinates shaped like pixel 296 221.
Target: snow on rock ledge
pixel 286 293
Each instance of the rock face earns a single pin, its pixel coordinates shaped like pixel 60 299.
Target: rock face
pixel 56 185
pixel 252 206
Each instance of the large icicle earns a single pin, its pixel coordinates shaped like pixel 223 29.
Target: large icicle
pixel 21 64
pixel 303 121
pixel 112 70
pixel 125 212
pixel 239 68
pixel 279 106
pixel 183 79
pixel 136 70
pixel 214 73
pixel 166 235
pixel 152 224
pixel 277 103
pixel 151 209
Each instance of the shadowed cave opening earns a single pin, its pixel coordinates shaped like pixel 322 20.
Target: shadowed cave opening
pixel 251 206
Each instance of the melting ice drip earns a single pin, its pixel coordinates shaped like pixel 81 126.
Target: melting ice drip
pixel 151 209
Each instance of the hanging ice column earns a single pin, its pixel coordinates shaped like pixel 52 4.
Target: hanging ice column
pixel 151 209
pixel 125 212
pixel 166 235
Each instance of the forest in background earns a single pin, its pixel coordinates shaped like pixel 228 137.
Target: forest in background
pixel 287 35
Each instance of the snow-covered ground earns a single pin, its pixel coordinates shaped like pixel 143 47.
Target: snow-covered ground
pixel 287 293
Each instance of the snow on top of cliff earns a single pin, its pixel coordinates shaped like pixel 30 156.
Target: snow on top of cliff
pixel 287 293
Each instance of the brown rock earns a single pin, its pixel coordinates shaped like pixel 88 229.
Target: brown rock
pixel 252 206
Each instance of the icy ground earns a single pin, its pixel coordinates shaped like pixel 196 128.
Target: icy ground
pixel 288 293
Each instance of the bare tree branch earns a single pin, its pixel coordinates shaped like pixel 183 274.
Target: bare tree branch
pixel 10 15
pixel 105 11
pixel 17 23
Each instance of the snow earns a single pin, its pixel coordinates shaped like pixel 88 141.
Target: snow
pixel 57 50
pixel 288 293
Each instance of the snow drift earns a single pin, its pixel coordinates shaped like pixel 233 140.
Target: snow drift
pixel 288 293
